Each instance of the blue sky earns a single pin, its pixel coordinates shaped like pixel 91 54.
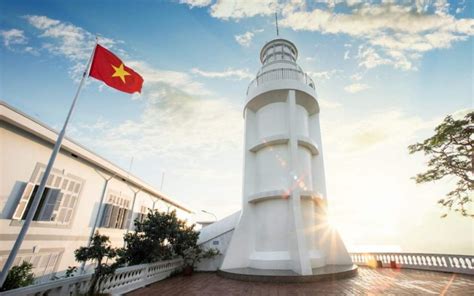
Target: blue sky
pixel 386 73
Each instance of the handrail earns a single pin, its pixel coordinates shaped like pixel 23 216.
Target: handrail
pixel 124 280
pixel 426 261
pixel 282 73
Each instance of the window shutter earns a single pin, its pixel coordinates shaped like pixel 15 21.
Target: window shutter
pixel 126 220
pixel 120 218
pixel 106 215
pixel 47 212
pixel 24 200
pixel 113 217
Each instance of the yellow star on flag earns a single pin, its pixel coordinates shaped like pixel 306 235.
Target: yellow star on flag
pixel 120 72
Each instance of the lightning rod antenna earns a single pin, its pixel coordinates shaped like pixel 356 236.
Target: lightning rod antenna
pixel 276 23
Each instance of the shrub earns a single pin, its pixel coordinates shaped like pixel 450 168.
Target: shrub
pixel 99 250
pixel 161 236
pixel 19 276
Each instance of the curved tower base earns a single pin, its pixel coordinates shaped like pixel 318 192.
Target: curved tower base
pixel 328 272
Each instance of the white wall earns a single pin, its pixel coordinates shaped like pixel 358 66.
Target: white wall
pixel 20 153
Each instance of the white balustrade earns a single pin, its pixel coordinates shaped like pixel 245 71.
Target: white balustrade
pixel 124 280
pixel 435 262
pixel 282 73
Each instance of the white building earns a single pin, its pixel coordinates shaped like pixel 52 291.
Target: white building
pixel 283 223
pixel 71 200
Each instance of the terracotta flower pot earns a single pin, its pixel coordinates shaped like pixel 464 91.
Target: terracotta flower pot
pixel 188 270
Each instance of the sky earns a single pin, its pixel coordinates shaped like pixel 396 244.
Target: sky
pixel 386 73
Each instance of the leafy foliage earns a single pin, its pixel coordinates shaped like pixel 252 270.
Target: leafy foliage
pixel 160 236
pixel 451 152
pixel 99 250
pixel 19 276
pixel 194 255
pixel 70 271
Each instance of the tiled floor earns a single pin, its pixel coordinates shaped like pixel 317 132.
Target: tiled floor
pixel 382 281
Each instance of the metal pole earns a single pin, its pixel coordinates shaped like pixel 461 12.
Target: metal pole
pixel 97 218
pixel 276 23
pixel 204 211
pixel 39 193
pixel 162 180
pixel 130 216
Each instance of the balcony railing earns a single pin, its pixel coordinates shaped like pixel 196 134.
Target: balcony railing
pixel 435 262
pixel 279 74
pixel 124 280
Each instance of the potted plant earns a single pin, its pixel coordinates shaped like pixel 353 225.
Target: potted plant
pixel 194 255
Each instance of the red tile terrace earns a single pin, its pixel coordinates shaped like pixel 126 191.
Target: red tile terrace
pixel 378 274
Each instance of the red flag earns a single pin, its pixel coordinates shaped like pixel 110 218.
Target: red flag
pixel 110 69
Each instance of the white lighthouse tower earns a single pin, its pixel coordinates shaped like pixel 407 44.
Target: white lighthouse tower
pixel 283 225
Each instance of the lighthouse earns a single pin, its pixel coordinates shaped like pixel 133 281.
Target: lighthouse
pixel 283 228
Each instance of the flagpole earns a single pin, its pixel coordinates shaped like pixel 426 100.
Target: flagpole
pixel 39 193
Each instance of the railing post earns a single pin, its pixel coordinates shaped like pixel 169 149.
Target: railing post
pixel 144 275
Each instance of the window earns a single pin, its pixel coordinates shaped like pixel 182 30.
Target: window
pixel 142 214
pixel 57 202
pixel 43 263
pixel 46 208
pixel 116 213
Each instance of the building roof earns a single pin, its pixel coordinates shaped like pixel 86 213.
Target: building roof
pixel 25 122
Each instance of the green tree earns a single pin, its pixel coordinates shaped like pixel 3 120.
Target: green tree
pixel 19 276
pixel 99 250
pixel 451 154
pixel 161 236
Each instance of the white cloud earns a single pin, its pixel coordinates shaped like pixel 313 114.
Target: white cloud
pixel 196 3
pixel 356 87
pixel 369 58
pixel 328 104
pixel 42 22
pixel 379 128
pixel 178 116
pixel 346 55
pixel 31 50
pixel 244 39
pixel 69 41
pixel 396 34
pixel 179 111
pixel 324 75
pixel 237 9
pixel 156 81
pixel 356 77
pixel 12 37
pixel 176 126
pixel 236 74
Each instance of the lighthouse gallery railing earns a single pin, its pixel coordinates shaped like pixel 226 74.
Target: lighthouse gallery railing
pixel 279 74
